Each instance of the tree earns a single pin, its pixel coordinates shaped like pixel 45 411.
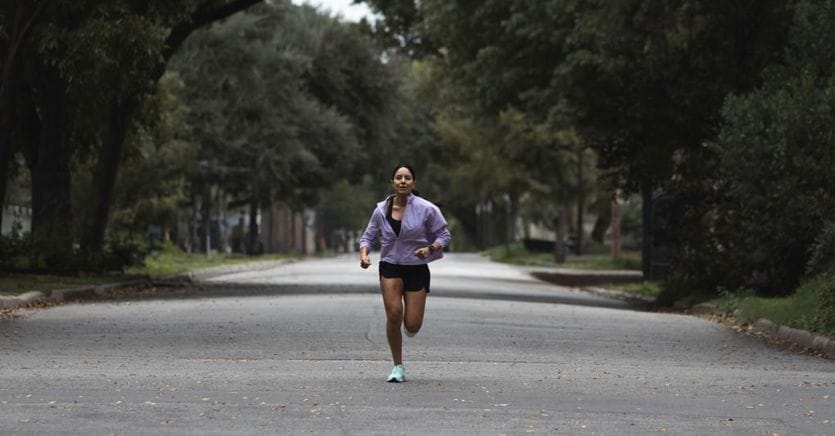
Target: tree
pixel 121 108
pixel 15 29
pixel 302 93
pixel 58 55
pixel 401 30
pixel 776 160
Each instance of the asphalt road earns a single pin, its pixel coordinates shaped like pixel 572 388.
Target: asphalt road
pixel 301 349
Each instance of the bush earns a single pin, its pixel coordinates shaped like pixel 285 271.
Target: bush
pixel 16 250
pixel 811 307
pixel 822 252
pixel 748 221
pixel 19 254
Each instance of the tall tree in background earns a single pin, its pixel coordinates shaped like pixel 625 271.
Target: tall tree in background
pixel 177 25
pixel 16 23
pixel 643 81
pixel 303 103
pixel 68 52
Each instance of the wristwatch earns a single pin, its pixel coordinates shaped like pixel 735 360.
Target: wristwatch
pixel 431 248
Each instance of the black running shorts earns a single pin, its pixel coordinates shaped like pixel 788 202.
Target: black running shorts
pixel 415 277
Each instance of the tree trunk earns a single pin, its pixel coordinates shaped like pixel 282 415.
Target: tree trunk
pixel 104 175
pixel 206 217
pixel 581 200
pixel 26 15
pixel 50 172
pixel 614 223
pixel 5 144
pixel 560 225
pixel 603 221
pixel 510 224
pixel 647 226
pixel 252 235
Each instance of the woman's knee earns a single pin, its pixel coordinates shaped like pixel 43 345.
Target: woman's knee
pixel 394 314
pixel 412 325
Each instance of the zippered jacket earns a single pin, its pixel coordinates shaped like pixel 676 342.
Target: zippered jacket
pixel 421 224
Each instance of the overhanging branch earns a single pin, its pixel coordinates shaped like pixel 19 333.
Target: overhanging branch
pixel 206 13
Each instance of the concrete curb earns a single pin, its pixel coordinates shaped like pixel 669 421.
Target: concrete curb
pixel 21 300
pixel 823 344
pixel 88 292
pixel 620 295
pixel 70 294
pixel 585 278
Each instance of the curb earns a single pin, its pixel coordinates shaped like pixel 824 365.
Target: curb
pixel 820 343
pixel 620 295
pixel 585 278
pixel 83 292
pixel 93 291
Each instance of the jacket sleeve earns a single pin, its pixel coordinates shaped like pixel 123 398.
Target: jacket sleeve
pixel 372 232
pixel 437 228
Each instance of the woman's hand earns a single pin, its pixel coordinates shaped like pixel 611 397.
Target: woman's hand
pixel 423 253
pixel 365 261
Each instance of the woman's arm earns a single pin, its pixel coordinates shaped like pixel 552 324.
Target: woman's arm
pixel 369 238
pixel 438 230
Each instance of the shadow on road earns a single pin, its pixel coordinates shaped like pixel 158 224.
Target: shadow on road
pixel 244 290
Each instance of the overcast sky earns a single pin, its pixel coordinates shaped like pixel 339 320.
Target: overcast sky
pixel 344 8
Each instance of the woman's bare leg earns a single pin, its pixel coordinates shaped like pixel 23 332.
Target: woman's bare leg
pixel 392 290
pixel 415 303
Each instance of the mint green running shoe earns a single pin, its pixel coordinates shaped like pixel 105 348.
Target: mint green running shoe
pixel 398 374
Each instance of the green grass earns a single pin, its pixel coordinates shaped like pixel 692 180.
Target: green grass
pixel 626 261
pixel 646 288
pixel 811 307
pixel 516 254
pixel 171 260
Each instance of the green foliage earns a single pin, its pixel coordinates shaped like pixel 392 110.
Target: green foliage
pixel 346 206
pixel 811 307
pixel 18 253
pixel 82 61
pixel 517 254
pixel 401 28
pixel 776 159
pixel 16 250
pixel 644 80
pixel 646 288
pixel 626 261
pixel 822 252
pixel 158 157
pixel 301 93
pixel 170 260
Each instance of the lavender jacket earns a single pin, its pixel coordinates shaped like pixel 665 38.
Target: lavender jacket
pixel 422 224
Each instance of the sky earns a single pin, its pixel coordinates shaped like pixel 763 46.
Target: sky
pixel 343 8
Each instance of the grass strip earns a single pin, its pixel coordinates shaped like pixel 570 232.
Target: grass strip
pixel 170 260
pixel 516 254
pixel 649 288
pixel 811 307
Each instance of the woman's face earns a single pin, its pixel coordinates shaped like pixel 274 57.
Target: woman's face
pixel 403 182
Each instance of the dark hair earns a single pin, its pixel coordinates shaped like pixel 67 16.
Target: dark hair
pixel 408 167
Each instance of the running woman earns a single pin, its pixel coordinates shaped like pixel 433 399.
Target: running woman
pixel 412 232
